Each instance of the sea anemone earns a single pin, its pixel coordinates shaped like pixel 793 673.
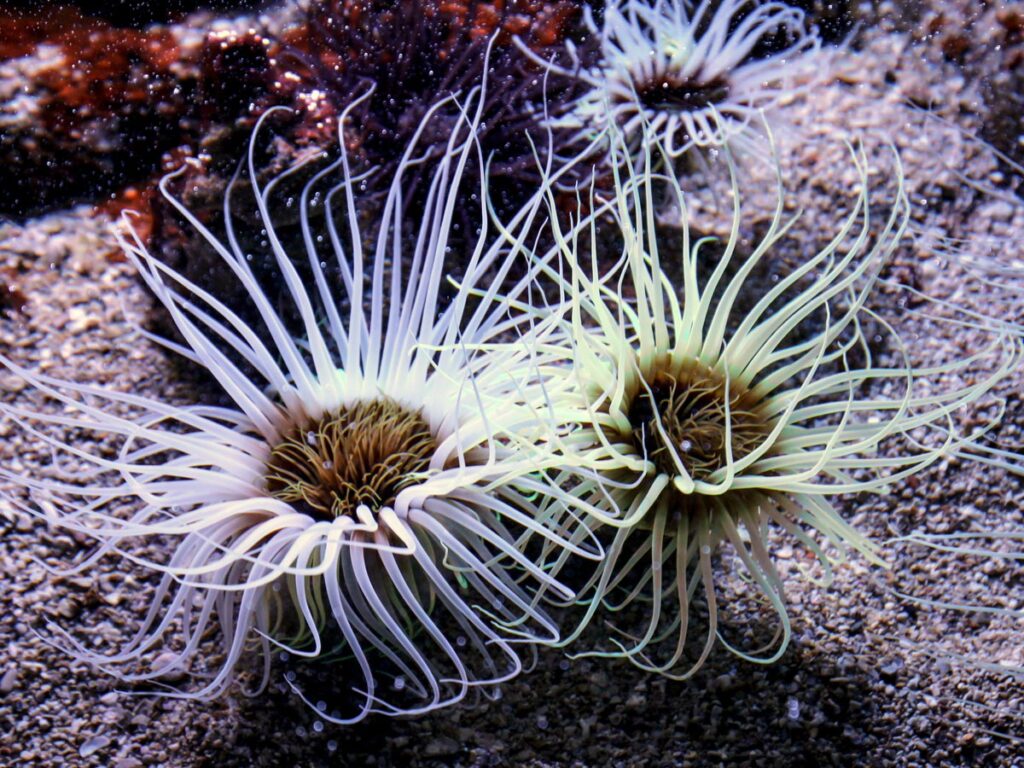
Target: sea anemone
pixel 691 424
pixel 369 491
pixel 696 75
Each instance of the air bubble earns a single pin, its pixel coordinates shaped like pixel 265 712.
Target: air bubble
pixel 399 683
pixel 318 726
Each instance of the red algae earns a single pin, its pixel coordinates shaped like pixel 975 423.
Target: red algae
pixel 108 102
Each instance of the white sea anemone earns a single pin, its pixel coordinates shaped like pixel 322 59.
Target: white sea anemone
pixel 693 423
pixel 687 71
pixel 367 496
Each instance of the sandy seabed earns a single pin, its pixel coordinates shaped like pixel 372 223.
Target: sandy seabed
pixel 867 680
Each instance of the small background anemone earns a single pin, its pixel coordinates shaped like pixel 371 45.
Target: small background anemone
pixel 697 73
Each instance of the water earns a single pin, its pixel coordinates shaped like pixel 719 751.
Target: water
pixel 342 281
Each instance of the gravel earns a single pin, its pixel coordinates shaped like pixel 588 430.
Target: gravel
pixel 869 679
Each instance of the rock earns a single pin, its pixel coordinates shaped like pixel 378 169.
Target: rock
pixel 442 746
pixel 93 745
pixel 172 675
pixel 891 668
pixel 9 681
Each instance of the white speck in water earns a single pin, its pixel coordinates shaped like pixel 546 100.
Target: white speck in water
pixel 318 726
pixel 300 732
pixel 284 656
pixel 705 550
pixel 289 676
pixel 460 641
pixel 399 683
pixel 332 746
pixel 542 722
pixel 685 446
pixel 328 466
pixel 322 706
pixel 311 438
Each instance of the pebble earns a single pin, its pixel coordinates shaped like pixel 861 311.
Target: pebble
pixel 172 675
pixel 93 745
pixel 441 747
pixel 9 681
pixel 81 321
pixel 890 669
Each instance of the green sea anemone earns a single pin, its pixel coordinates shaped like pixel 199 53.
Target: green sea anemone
pixel 690 423
pixel 367 493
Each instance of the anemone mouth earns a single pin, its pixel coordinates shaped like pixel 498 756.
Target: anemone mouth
pixel 670 92
pixel 690 415
pixel 358 455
